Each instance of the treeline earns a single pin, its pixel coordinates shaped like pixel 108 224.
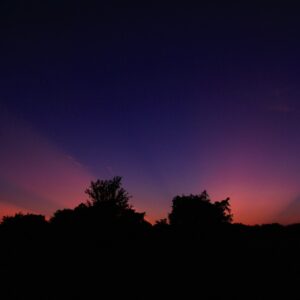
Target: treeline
pixel 105 249
pixel 108 212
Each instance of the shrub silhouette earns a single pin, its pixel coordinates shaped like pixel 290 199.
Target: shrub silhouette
pixel 24 222
pixel 63 217
pixel 197 211
pixel 24 228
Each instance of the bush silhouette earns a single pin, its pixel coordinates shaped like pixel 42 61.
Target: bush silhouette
pixel 197 211
pixel 24 222
pixel 63 217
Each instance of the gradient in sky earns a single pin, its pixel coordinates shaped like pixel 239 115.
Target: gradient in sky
pixel 174 99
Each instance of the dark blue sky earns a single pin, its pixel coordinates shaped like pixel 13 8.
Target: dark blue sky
pixel 174 99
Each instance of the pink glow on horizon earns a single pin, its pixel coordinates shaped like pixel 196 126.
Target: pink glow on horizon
pixel 258 180
pixel 36 176
pixel 7 209
pixel 32 165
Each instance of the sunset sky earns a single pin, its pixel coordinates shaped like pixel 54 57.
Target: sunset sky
pixel 173 99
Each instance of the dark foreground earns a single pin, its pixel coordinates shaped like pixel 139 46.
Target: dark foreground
pixel 235 262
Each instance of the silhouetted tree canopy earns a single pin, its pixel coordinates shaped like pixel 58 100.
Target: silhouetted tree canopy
pixel 107 211
pixel 108 192
pixel 161 223
pixel 63 217
pixel 199 212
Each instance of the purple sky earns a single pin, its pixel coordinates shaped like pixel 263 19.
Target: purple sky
pixel 174 99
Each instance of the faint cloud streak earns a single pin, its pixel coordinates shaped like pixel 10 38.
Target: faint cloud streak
pixel 35 175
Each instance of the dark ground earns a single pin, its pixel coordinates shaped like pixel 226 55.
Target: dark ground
pixel 237 262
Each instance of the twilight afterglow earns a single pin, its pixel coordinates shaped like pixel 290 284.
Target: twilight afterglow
pixel 180 103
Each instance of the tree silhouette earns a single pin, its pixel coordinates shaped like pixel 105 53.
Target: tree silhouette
pixel 106 213
pixel 199 212
pixel 162 223
pixel 108 192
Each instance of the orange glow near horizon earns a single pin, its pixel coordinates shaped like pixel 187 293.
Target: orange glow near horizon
pixel 36 176
pixel 7 209
pixel 259 191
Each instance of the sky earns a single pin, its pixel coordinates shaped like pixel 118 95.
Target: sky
pixel 175 99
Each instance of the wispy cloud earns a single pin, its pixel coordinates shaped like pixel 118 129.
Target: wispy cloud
pixel 35 174
pixel 290 213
